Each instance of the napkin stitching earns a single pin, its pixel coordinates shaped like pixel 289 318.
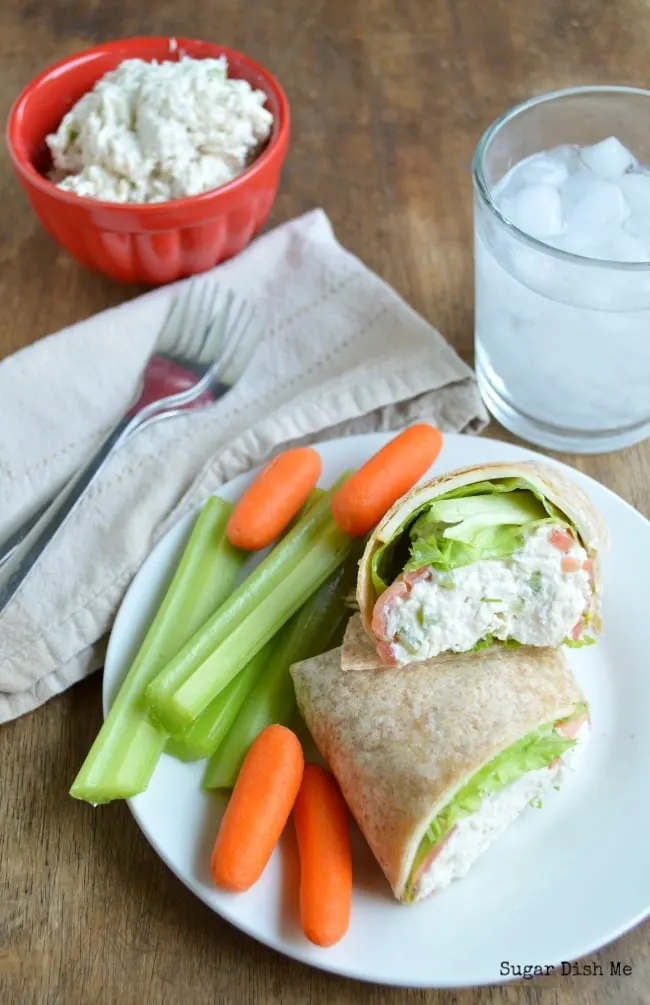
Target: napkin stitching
pixel 45 462
pixel 307 308
pixel 316 364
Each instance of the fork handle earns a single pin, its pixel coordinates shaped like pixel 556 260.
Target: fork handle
pixel 15 539
pixel 15 571
pixel 10 544
pixel 135 419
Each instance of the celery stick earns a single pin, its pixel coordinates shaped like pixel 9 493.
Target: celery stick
pixel 272 699
pixel 127 748
pixel 182 707
pixel 315 496
pixel 294 552
pixel 204 736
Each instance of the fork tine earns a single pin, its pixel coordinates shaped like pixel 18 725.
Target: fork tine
pixel 170 330
pixel 205 324
pixel 240 351
pixel 173 336
pixel 198 325
pixel 229 327
pixel 217 332
pixel 188 323
pixel 191 304
pixel 203 320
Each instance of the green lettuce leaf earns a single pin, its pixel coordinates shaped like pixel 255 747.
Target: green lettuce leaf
pixel 504 485
pixel 446 554
pixel 440 553
pixel 457 532
pixel 448 537
pixel 533 751
pixel 485 510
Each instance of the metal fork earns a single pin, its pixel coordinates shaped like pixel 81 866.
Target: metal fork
pixel 199 357
pixel 177 362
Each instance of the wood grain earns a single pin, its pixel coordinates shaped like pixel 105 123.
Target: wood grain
pixel 389 100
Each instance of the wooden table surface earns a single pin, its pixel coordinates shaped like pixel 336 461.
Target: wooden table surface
pixel 389 100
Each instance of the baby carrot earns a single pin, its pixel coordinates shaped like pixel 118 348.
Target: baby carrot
pixel 272 500
pixel 364 499
pixel 259 808
pixel 321 821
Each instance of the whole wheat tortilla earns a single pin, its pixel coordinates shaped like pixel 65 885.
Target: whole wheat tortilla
pixel 553 484
pixel 357 651
pixel 403 740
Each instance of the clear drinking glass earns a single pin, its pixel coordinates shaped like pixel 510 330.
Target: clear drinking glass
pixel 562 342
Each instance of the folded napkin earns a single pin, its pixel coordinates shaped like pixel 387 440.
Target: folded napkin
pixel 341 354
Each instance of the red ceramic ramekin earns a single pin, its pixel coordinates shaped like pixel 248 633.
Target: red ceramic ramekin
pixel 158 242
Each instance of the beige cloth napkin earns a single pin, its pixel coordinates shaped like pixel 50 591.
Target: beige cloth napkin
pixel 342 353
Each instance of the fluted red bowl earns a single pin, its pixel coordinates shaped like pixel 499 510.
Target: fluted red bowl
pixel 157 242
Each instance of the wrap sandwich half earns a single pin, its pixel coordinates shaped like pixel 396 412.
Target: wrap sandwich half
pixel 497 553
pixel 436 759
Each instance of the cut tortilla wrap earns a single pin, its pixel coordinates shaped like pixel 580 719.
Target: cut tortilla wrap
pixel 559 501
pixel 405 741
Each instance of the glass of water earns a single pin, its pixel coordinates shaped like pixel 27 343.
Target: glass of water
pixel 562 260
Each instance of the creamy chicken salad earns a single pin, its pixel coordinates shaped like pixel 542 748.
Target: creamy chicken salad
pixel 535 596
pixel 499 565
pixel 473 834
pixel 151 132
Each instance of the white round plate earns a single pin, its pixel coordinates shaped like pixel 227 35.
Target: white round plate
pixel 559 884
